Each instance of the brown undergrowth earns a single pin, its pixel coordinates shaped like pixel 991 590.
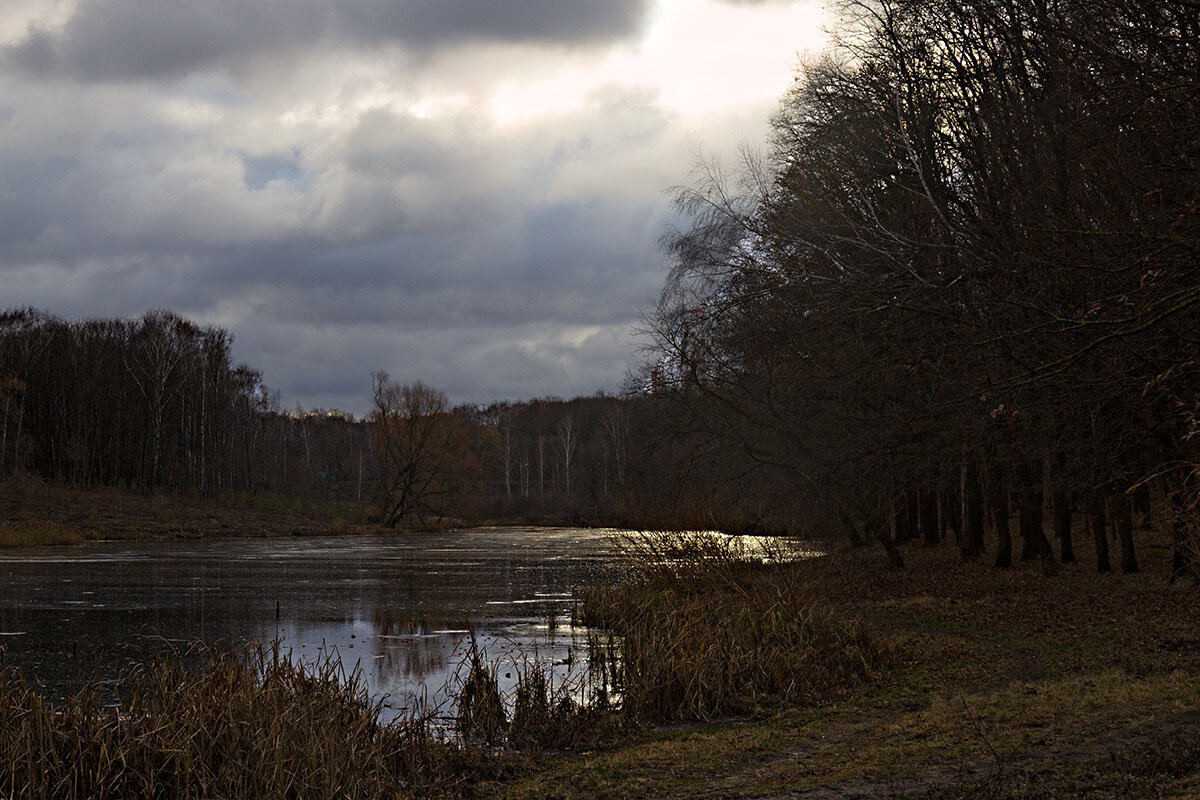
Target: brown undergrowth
pixel 248 725
pixel 711 626
pixel 42 534
pixel 698 630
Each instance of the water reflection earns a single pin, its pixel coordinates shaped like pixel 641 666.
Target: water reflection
pixel 402 609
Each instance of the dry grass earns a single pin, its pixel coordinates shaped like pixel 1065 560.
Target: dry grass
pixel 1073 717
pixel 999 684
pixel 546 717
pixel 706 630
pixel 36 534
pixel 100 512
pixel 262 725
pixel 247 726
pixel 538 715
pixel 479 708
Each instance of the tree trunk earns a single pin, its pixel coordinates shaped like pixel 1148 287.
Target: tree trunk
pixel 912 504
pixel 1030 522
pixel 851 529
pixel 1060 507
pixel 972 492
pixel 897 519
pixel 929 517
pixel 4 430
pixel 1123 522
pixel 952 510
pixel 1032 527
pixel 1141 502
pixel 1185 551
pixel 1060 504
pixel 16 462
pixel 942 522
pixel 1099 524
pixel 888 540
pixel 998 497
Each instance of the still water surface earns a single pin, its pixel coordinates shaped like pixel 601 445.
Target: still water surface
pixel 402 608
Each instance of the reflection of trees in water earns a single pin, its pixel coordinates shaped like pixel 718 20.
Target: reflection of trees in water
pixel 416 648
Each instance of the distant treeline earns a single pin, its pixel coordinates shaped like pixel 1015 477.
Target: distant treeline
pixel 963 282
pixel 157 403
pixel 149 402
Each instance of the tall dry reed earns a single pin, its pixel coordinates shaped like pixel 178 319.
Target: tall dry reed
pixel 711 625
pixel 247 726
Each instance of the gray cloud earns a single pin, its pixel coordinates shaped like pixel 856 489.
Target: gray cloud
pixel 138 39
pixel 493 263
pixel 320 213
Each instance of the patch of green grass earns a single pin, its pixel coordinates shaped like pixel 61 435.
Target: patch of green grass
pixel 40 534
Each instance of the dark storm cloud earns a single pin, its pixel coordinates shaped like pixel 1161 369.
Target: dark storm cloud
pixel 136 39
pixel 492 263
pixel 470 219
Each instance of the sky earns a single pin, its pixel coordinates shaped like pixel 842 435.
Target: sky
pixel 466 192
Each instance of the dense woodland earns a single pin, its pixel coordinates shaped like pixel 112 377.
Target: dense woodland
pixel 956 298
pixel 962 284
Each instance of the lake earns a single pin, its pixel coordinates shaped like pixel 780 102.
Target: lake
pixel 402 608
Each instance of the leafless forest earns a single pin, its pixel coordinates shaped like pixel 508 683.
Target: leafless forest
pixel 962 283
pixel 954 298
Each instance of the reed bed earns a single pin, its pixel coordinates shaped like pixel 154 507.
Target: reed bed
pixel 710 626
pixel 247 726
pixel 262 725
pixel 538 715
pixel 479 709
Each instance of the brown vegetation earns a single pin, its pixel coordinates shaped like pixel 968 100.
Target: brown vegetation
pixel 706 631
pixel 35 512
pixel 246 726
pixel 941 680
pixel 1000 684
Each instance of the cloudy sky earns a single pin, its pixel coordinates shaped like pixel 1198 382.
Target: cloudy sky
pixel 470 192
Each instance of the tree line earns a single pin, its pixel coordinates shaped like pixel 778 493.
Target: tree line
pixel 158 403
pixel 150 402
pixel 962 282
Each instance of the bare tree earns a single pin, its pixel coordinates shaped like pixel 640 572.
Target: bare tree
pixel 566 440
pixel 417 446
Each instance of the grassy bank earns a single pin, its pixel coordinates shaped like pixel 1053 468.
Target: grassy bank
pixel 35 533
pixel 1000 684
pixel 34 512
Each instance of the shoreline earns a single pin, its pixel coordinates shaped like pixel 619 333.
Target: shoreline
pixel 1003 684
pixel 34 513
